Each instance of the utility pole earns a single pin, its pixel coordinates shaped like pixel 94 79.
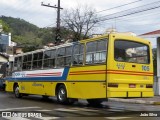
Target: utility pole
pixel 58 34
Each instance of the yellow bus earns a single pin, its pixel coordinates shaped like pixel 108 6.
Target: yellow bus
pixel 112 65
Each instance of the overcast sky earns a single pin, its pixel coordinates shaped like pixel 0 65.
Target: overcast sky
pixel 33 12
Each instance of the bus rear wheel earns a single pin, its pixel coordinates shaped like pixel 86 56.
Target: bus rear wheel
pixel 62 96
pixel 16 92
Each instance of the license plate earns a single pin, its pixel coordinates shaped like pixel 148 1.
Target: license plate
pixel 132 85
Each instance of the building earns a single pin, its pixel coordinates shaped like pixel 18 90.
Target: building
pixel 5 42
pixel 155 34
pixel 3 59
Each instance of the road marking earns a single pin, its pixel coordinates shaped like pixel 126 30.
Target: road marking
pixel 84 109
pixel 116 110
pixel 43 110
pixel 16 118
pixel 9 109
pixel 21 118
pixel 119 108
pixel 117 118
pixel 48 118
pixel 64 109
pixel 81 112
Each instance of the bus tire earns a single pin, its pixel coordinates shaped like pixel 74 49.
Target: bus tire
pixel 16 92
pixel 94 102
pixel 62 95
pixel 45 97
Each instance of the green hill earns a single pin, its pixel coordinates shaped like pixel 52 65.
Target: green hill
pixel 25 33
pixel 19 26
pixel 29 35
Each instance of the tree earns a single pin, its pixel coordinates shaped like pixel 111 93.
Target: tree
pixel 5 26
pixel 80 21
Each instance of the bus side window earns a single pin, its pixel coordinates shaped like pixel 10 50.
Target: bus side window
pixel 10 69
pixel 60 57
pixel 96 51
pixel 68 55
pixel 37 60
pixel 101 51
pixel 27 62
pixel 18 63
pixel 52 60
pixel 49 58
pixel 78 53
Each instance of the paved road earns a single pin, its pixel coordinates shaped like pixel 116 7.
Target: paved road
pixel 35 107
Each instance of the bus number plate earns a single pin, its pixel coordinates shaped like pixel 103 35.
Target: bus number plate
pixel 132 85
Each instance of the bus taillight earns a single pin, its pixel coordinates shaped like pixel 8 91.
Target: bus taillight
pixel 149 86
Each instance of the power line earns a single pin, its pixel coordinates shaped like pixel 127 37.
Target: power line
pixel 119 6
pixel 130 11
pixel 134 17
pixel 115 7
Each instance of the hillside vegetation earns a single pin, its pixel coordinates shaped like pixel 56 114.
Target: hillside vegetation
pixel 29 35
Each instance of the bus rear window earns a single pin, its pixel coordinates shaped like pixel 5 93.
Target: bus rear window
pixel 129 51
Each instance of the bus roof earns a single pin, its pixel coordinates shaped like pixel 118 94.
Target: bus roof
pixel 83 41
pixel 41 50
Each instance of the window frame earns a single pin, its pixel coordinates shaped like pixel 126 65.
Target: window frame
pixel 126 40
pixel 64 56
pixel 37 60
pixel 49 59
pixel 79 54
pixel 26 61
pixel 97 52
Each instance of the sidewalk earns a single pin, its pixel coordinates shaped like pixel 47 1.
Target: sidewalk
pixel 151 101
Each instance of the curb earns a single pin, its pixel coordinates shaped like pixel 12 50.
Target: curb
pixel 156 103
pixel 134 101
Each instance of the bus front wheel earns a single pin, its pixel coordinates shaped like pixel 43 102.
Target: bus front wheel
pixel 16 92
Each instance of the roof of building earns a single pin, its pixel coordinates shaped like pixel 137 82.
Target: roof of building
pixel 155 33
pixel 4 55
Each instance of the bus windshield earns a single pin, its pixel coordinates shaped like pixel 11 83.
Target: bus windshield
pixel 129 51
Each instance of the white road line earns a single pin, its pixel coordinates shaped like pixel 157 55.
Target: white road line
pixel 19 108
pixel 43 110
pixel 112 110
pixel 16 118
pixel 85 109
pixel 117 118
pixel 64 109
pixel 48 118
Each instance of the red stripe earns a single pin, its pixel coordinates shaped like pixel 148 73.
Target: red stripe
pixel 44 74
pixel 112 72
pixel 41 75
pixel 131 71
pixel 95 71
pixel 89 71
pixel 59 73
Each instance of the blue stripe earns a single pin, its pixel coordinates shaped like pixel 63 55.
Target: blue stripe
pixel 63 78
